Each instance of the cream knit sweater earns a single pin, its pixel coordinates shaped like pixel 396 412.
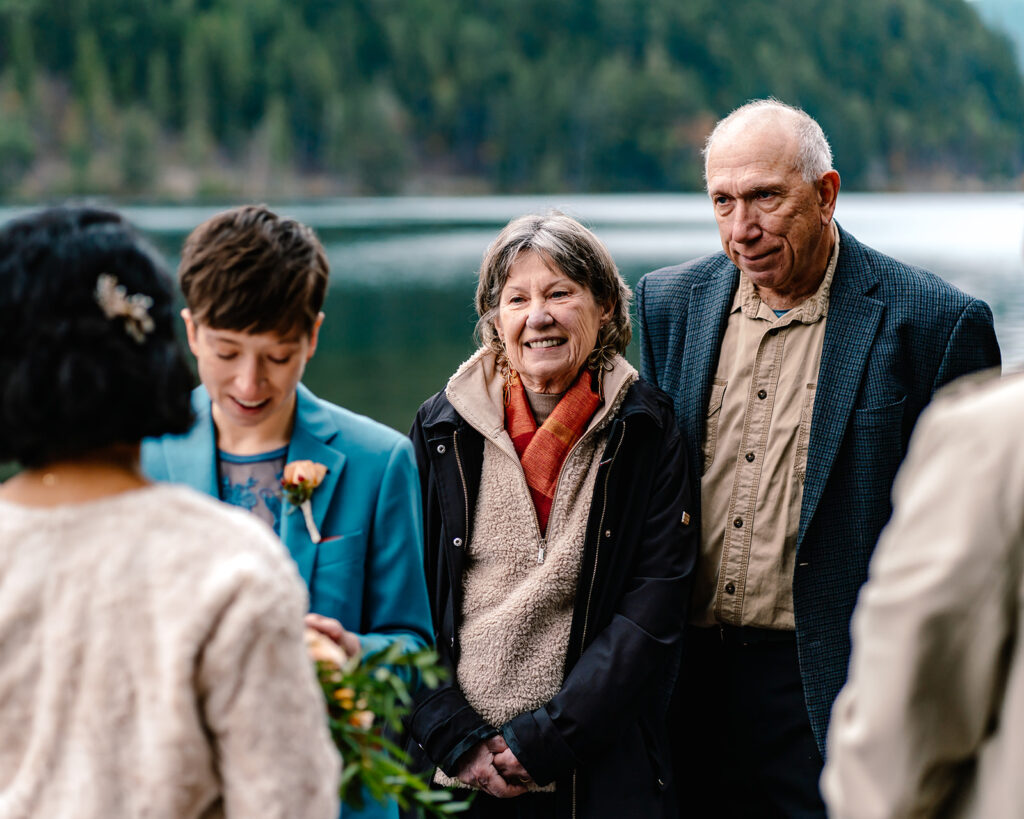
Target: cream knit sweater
pixel 517 611
pixel 152 665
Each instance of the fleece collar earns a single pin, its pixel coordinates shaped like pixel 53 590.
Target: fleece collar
pixel 475 393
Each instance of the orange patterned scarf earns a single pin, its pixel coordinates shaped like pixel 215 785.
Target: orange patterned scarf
pixel 543 451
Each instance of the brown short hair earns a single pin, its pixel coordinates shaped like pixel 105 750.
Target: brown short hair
pixel 569 247
pixel 249 270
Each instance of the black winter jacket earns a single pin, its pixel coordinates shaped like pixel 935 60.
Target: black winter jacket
pixel 603 737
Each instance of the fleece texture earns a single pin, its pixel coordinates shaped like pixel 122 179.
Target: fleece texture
pixel 518 608
pixel 152 665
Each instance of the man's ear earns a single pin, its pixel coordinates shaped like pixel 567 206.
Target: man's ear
pixel 828 192
pixel 190 331
pixel 314 335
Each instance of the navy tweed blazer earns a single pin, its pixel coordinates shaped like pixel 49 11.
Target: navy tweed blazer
pixel 894 335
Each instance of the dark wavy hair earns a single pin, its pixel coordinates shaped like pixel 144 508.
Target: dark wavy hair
pixel 72 380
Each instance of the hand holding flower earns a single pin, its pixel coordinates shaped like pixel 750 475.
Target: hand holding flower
pixel 337 635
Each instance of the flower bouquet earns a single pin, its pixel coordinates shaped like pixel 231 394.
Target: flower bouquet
pixel 366 699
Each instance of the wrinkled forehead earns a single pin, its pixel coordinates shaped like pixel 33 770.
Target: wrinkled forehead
pixel 766 139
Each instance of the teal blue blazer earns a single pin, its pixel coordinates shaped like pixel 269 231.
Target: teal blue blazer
pixel 367 572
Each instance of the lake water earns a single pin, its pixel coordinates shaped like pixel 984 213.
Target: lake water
pixel 400 307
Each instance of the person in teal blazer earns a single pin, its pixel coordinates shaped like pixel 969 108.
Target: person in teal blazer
pixel 363 572
pixel 254 284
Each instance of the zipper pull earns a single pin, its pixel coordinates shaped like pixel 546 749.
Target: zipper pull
pixel 543 550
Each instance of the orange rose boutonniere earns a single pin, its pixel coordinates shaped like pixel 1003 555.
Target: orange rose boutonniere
pixel 298 482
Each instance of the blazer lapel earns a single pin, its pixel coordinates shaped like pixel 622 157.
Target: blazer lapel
pixel 193 460
pixel 309 442
pixel 706 317
pixel 852 323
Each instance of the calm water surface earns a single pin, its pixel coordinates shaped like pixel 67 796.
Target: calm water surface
pixel 400 308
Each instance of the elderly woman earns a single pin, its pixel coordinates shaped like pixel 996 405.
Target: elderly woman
pixel 152 660
pixel 558 548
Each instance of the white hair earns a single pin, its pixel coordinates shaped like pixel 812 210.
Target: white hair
pixel 814 157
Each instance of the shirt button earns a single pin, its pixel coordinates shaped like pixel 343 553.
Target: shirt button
pixel 738 523
pixel 457 541
pixel 750 457
pixel 730 588
pixel 774 331
pixel 607 532
pixel 440 449
pixel 762 394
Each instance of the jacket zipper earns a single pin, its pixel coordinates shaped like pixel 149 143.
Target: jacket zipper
pixel 600 527
pixel 542 540
pixel 465 508
pixel 465 491
pixel 593 576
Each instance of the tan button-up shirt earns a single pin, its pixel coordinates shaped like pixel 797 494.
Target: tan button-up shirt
pixel 755 457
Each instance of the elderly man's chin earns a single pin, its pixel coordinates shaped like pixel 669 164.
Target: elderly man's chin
pixel 762 268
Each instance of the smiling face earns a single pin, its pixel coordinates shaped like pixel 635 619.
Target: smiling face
pixel 251 379
pixel 775 226
pixel 548 324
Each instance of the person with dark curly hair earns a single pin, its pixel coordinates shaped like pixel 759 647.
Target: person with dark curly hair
pixel 152 658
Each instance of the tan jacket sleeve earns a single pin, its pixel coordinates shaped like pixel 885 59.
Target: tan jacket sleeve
pixel 931 624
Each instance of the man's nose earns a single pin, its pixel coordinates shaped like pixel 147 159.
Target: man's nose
pixel 746 226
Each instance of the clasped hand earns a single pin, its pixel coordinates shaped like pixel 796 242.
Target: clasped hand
pixel 494 769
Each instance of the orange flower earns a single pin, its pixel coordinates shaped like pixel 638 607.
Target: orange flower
pixel 361 719
pixel 307 472
pixel 322 649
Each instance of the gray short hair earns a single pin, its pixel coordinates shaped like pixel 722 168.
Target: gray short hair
pixel 570 248
pixel 814 158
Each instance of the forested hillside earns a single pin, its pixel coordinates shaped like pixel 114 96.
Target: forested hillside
pixel 183 98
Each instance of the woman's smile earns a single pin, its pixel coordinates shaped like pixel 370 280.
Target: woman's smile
pixel 547 322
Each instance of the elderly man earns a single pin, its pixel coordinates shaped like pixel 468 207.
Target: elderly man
pixel 799 360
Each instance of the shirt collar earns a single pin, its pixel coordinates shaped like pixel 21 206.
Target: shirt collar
pixel 810 310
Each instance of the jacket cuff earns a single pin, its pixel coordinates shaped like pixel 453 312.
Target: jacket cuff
pixel 446 726
pixel 538 746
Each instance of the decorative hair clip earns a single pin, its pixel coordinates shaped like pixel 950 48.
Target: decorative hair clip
pixel 115 302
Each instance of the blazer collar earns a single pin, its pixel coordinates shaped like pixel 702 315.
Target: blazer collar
pixel 195 463
pixel 313 439
pixel 706 317
pixel 853 321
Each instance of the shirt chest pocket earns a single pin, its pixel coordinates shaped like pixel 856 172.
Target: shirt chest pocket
pixel 712 418
pixel 803 435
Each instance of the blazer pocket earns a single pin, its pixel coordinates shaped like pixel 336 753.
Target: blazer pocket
pixel 711 422
pixel 337 549
pixel 886 416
